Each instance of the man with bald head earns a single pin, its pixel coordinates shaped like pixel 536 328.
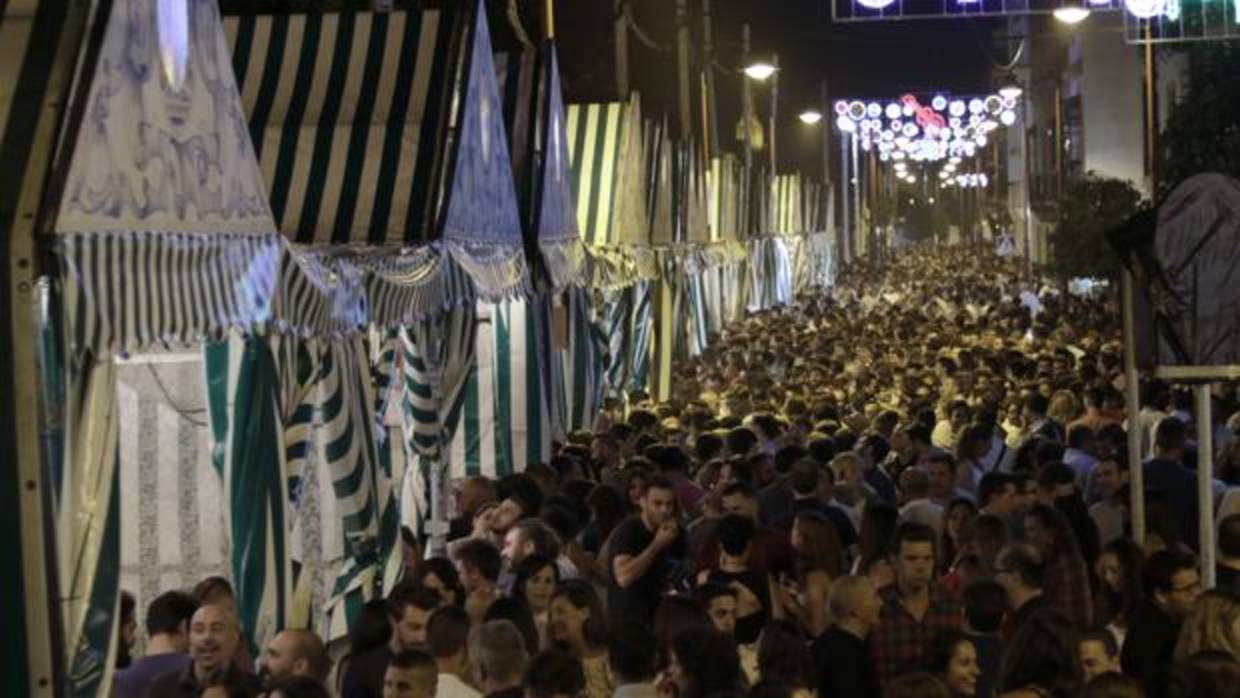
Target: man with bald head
pixel 295 652
pixel 844 666
pixel 213 637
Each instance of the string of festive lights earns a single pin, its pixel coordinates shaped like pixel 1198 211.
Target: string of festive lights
pixel 908 129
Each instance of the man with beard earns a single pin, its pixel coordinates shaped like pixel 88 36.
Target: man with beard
pixel 295 652
pixel 409 610
pixel 641 548
pixel 213 638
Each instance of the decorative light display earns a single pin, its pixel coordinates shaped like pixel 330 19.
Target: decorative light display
pixel 972 180
pixel 907 129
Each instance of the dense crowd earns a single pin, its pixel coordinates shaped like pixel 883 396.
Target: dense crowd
pixel 915 485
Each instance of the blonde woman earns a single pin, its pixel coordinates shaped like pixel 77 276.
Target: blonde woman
pixel 1213 624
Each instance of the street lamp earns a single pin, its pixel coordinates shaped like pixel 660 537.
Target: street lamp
pixel 1072 13
pixel 760 71
pixel 809 117
pixel 1011 90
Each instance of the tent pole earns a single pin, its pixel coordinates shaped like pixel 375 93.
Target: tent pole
pixel 1205 481
pixel 1132 405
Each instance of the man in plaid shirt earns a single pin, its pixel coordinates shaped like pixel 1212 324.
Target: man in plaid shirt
pixel 914 610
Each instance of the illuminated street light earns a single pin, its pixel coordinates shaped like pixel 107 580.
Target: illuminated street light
pixel 810 117
pixel 760 71
pixel 1072 14
pixel 1011 91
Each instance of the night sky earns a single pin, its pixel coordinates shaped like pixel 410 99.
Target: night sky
pixel 876 59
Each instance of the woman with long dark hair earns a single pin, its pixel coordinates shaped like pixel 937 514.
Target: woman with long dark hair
pixel 1119 585
pixel 536 580
pixel 1066 586
pixel 878 526
pixel 578 624
pixel 439 575
pixel 371 630
pixel 819 562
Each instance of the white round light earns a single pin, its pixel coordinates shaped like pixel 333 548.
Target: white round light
pixel 884 157
pixel 856 110
pixel 939 102
pixel 957 108
pixel 910 130
pixel 841 107
pixel 845 124
pixel 994 104
pixel 875 4
pixel 976 106
pixel 1008 117
pixel 893 111
pixel 874 110
pixel 908 110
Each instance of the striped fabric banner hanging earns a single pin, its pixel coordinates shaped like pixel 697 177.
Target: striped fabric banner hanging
pixel 643 322
pixel 347 158
pixel 245 414
pixel 506 422
pixel 615 317
pixel 438 353
pixel 585 371
pixel 596 134
pixel 663 338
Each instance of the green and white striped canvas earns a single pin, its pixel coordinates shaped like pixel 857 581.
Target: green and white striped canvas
pixel 506 422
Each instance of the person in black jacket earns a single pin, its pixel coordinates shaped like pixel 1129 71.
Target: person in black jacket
pixel 1172 583
pixel 843 659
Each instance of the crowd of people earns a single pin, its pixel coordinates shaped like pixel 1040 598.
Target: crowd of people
pixel 915 485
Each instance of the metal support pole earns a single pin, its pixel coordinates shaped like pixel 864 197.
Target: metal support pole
pixel 1028 186
pixel 708 50
pixel 682 66
pixel 622 48
pixel 550 9
pixel 1151 118
pixel 845 237
pixel 746 104
pixel 1205 481
pixel 1132 402
pixel 774 110
pixel 858 221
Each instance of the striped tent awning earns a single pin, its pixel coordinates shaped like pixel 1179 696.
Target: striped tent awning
pixel 357 157
pixel 345 112
pixel 607 148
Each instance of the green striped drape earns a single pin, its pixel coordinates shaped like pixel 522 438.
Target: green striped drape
pixel 507 420
pixel 244 401
pixel 344 112
pixel 437 355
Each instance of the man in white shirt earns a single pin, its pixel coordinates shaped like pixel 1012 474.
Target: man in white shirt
pixel 447 636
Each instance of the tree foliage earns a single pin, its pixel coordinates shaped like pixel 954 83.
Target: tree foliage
pixel 1202 133
pixel 1091 206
